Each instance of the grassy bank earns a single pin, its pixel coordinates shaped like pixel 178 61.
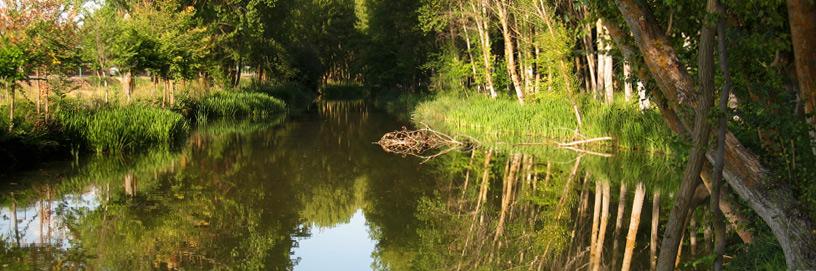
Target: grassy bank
pixel 549 118
pixel 79 125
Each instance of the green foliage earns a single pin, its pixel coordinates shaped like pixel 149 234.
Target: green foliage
pixel 12 58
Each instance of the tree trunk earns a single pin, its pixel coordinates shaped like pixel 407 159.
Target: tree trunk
pixel 596 215
pixel 172 93
pixel 677 217
pixel 127 84
pixel 634 223
pixel 473 72
pixel 12 97
pixel 509 48
pixel 618 226
pixel 654 232
pixel 627 85
pixel 601 68
pixel 483 28
pixel 598 255
pixel 39 89
pixel 716 213
pixel 773 201
pixel 105 83
pixel 802 19
pixel 507 193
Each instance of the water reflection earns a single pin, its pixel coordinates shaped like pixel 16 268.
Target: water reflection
pixel 291 195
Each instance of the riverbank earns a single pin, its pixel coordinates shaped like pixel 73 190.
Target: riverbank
pixel 547 121
pixel 76 126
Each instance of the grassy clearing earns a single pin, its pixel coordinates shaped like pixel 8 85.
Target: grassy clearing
pixel 237 105
pixel 549 118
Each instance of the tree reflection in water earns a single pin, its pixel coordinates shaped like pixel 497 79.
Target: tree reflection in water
pixel 240 195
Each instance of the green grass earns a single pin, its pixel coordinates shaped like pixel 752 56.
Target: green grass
pixel 547 119
pixel 230 104
pixel 127 128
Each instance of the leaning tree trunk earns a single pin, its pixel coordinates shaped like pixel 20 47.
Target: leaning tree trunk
pixel 677 217
pixel 772 200
pixel 634 223
pixel 802 19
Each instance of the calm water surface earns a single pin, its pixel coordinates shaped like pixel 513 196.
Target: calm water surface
pixel 314 193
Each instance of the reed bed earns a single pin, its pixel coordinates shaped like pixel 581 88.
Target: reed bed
pixel 230 104
pixel 547 119
pixel 127 128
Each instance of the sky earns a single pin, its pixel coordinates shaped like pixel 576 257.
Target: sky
pixel 343 247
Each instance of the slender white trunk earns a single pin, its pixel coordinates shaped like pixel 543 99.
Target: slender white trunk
pixel 634 222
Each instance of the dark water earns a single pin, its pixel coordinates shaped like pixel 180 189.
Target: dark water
pixel 314 193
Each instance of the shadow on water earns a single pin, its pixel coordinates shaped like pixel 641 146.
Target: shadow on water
pixel 247 195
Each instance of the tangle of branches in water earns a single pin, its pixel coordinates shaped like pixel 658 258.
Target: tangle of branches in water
pixel 423 143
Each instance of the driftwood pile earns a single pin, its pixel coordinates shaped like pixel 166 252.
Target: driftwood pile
pixel 427 144
pixel 423 143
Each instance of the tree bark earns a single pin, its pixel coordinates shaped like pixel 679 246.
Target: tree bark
pixel 772 200
pixel 802 19
pixel 717 222
pixel 634 223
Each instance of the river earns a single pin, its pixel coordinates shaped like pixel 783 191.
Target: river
pixel 313 192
